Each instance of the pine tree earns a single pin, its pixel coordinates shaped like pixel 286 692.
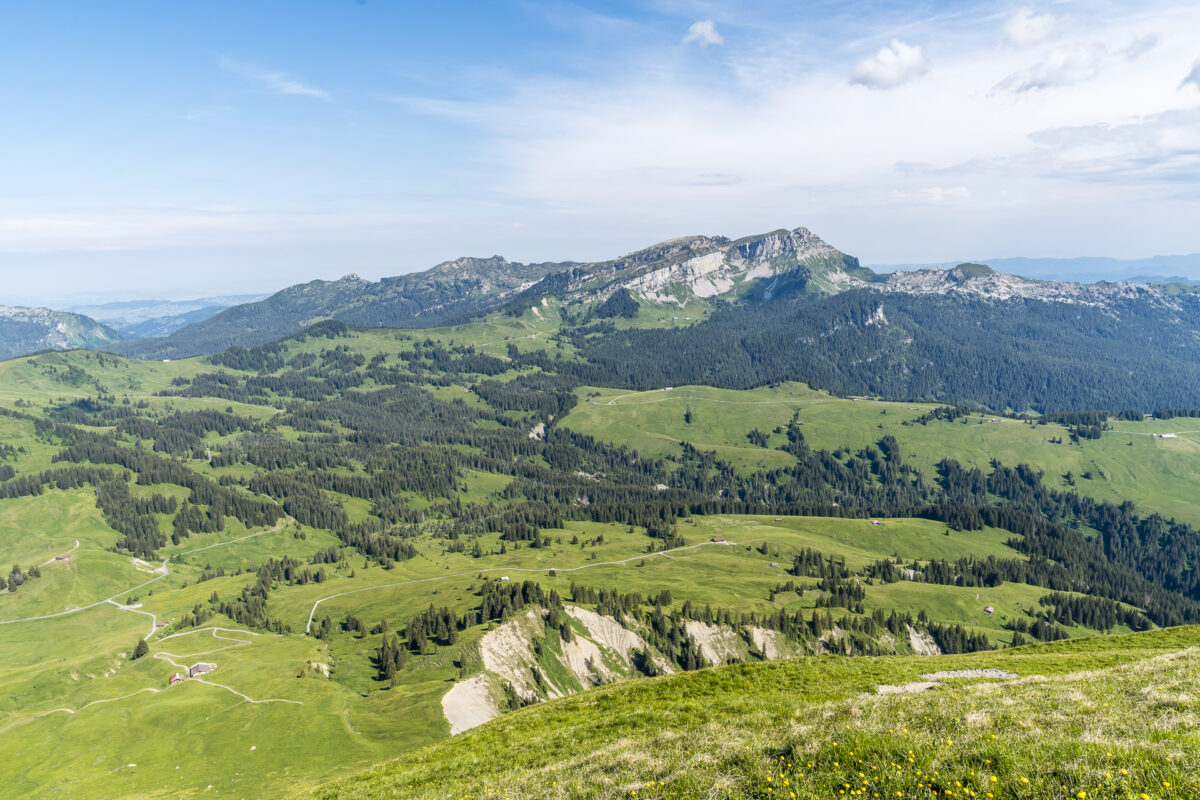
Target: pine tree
pixel 141 649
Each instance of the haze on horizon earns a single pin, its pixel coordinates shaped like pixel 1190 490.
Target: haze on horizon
pixel 197 149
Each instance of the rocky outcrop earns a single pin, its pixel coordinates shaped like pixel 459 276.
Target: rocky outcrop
pixel 718 643
pixel 525 660
pixel 977 280
pixel 536 664
pixel 922 643
pixel 469 704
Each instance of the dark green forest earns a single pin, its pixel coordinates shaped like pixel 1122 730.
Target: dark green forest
pixel 1022 355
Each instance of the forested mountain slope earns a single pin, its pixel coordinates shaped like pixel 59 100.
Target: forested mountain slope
pixel 446 292
pixel 1015 353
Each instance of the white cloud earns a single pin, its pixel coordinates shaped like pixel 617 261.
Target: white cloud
pixel 703 33
pixel 1193 77
pixel 893 65
pixel 939 194
pixel 1025 27
pixel 277 82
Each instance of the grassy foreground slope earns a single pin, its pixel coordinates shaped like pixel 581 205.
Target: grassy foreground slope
pixel 1113 717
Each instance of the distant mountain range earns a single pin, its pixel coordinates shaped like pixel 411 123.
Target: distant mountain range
pixel 1156 269
pixel 141 319
pixel 27 330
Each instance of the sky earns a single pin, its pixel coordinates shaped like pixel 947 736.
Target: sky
pixel 199 147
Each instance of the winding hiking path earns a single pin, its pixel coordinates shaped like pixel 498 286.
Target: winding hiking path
pixel 163 570
pixel 41 714
pixel 661 553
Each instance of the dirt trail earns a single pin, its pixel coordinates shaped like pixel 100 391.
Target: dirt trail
pixel 934 679
pixel 142 566
pixel 56 558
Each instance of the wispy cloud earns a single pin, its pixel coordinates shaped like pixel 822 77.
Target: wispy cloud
pixel 1193 77
pixel 892 65
pixel 271 80
pixel 1025 27
pixel 1160 148
pixel 461 110
pixel 1140 46
pixel 1066 66
pixel 1062 67
pixel 703 33
pixel 942 194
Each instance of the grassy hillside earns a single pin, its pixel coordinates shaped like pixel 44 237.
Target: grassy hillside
pixel 1054 727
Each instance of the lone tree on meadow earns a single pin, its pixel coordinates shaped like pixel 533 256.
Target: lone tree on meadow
pixel 141 649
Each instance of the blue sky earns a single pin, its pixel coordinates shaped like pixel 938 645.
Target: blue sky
pixel 197 148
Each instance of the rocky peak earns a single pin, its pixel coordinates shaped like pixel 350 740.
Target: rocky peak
pixel 679 249
pixel 965 272
pixel 801 242
pixel 469 265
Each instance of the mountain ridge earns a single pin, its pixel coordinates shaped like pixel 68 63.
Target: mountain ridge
pixel 675 271
pixel 681 272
